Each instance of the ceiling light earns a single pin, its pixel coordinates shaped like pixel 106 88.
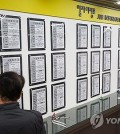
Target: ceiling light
pixel 118 2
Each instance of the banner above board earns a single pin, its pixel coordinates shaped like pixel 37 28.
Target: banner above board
pixel 65 9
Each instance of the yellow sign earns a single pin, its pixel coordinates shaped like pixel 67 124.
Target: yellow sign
pixel 63 8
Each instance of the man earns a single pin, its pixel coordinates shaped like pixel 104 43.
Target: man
pixel 14 120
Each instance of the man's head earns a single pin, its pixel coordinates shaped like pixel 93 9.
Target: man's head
pixel 11 85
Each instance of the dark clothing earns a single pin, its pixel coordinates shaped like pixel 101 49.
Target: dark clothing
pixel 14 120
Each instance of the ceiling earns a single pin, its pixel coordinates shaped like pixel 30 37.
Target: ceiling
pixel 105 3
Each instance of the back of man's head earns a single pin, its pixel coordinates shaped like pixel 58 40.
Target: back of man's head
pixel 11 85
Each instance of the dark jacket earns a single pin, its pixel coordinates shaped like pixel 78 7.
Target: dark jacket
pixel 14 120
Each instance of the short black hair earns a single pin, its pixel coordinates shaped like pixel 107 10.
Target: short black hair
pixel 11 85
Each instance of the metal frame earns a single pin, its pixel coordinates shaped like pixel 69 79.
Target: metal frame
pixel 92 36
pixel 77 37
pixel 86 89
pixel 30 68
pixel 10 56
pixel 56 22
pixel 53 96
pixel 86 63
pixel 53 54
pixel 91 85
pixel 38 88
pixel 18 49
pixel 28 31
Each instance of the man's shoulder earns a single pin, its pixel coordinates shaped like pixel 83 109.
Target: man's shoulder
pixel 36 113
pixel 36 118
pixel 32 113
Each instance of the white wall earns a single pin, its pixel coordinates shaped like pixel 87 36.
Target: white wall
pixel 70 28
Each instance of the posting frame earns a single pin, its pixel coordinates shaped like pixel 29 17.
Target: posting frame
pixel 93 104
pixel 86 54
pixel 105 100
pixel 52 96
pixel 106 69
pixel 10 56
pixel 118 83
pixel 77 37
pixel 103 76
pixel 98 66
pixel 118 37
pixel 20 42
pixel 118 59
pixel 31 97
pixel 28 34
pixel 92 45
pixel 52 46
pixel 20 101
pixel 104 46
pixel 118 96
pixel 92 78
pixel 82 79
pixel 77 113
pixel 52 66
pixel 29 66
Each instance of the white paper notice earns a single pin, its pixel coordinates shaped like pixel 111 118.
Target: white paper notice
pixel 82 89
pixel 58 66
pixel 107 60
pixel 118 79
pixel 119 59
pixel 107 37
pixel 95 62
pixel 37 67
pixel 58 96
pixel 82 63
pixel 58 40
pixel 119 37
pixel 10 31
pixel 106 82
pixel 11 64
pixel 39 100
pixel 37 34
pixel 82 36
pixel 95 85
pixel 96 36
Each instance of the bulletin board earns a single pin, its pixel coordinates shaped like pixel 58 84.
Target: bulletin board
pixel 62 60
